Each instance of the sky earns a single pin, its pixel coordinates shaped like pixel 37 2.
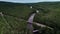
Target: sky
pixel 29 1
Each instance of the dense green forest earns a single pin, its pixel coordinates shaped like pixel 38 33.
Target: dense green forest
pixel 11 22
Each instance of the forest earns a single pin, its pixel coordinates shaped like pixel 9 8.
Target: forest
pixel 15 16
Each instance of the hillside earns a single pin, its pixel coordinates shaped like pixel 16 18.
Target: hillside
pixel 49 15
